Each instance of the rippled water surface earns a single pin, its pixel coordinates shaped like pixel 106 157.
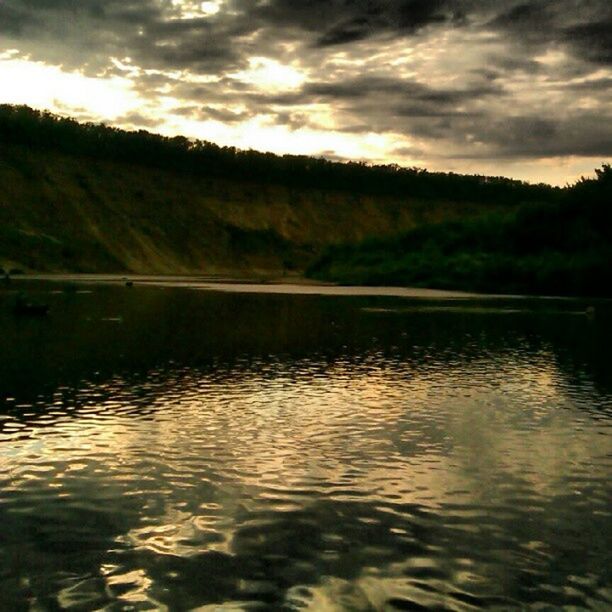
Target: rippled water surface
pixel 178 449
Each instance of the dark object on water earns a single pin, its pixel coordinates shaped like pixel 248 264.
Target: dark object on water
pixel 24 308
pixel 15 271
pixel 590 312
pixel 129 284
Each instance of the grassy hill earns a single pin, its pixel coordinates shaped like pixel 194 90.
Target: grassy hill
pixel 561 247
pixel 86 197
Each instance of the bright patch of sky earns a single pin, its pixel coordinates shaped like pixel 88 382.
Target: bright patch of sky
pixel 281 139
pixel 187 9
pixel 49 87
pixel 270 75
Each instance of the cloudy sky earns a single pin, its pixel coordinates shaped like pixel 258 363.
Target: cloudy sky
pixel 519 88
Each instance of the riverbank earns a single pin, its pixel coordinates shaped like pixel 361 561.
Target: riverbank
pixel 293 285
pixel 555 248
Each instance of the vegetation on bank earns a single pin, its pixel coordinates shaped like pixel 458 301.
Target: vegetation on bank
pixel 21 125
pixel 92 198
pixel 69 213
pixel 89 198
pixel 550 248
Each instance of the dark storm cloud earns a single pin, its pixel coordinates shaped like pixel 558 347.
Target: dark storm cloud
pixel 373 85
pixel 209 112
pixel 593 39
pixel 92 31
pixel 406 18
pixel 337 22
pixel 529 137
pixel 500 65
pixel 13 21
pixel 149 30
pixel 404 100
pixel 583 26
pixel 140 120
pixel 592 85
pixel 395 92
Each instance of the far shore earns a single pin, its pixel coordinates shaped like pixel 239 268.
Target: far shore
pixel 296 285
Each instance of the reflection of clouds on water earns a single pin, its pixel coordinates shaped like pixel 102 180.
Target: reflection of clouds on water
pixel 420 475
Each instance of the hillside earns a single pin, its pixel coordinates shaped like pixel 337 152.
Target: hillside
pixel 91 198
pixel 61 212
pixel 553 248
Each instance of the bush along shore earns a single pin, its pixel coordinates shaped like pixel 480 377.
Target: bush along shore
pixel 561 247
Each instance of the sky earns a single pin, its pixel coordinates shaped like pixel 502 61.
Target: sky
pixel 518 88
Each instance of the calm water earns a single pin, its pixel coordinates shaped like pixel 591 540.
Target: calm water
pixel 178 449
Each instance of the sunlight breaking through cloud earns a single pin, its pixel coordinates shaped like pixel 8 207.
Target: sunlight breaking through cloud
pixel 269 75
pixel 511 88
pixel 49 87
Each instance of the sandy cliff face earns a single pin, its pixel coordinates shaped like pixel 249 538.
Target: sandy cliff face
pixel 63 213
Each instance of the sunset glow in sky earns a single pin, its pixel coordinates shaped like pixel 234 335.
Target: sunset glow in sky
pixel 515 87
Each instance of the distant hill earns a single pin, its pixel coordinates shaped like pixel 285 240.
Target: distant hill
pixel 92 198
pixel 560 247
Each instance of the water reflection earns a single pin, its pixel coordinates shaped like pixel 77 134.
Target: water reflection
pixel 299 452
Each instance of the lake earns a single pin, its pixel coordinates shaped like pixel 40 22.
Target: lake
pixel 179 448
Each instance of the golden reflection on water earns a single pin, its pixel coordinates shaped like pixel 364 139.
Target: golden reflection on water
pixel 283 441
pixel 379 476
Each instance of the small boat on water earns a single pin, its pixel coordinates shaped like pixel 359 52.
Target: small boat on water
pixel 24 308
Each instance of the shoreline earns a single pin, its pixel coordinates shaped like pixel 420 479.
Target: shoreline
pixel 280 286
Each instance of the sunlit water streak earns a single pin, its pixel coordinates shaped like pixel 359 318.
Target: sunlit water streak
pixel 373 458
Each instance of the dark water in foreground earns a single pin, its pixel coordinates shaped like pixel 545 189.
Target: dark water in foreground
pixel 178 449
